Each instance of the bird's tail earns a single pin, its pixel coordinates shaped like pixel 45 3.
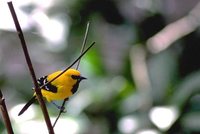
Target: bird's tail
pixel 27 105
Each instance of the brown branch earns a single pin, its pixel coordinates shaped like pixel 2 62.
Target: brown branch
pixel 32 73
pixel 5 115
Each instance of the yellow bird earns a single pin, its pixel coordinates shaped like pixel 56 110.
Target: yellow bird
pixel 59 89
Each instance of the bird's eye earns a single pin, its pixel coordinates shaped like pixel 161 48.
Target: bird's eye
pixel 75 77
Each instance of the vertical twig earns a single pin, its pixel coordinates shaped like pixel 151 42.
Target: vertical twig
pixel 63 104
pixel 69 66
pixel 60 112
pixel 84 43
pixel 28 60
pixel 78 62
pixel 5 115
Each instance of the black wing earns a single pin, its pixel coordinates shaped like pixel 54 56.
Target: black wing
pixel 49 87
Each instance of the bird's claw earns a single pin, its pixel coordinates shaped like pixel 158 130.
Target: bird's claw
pixel 62 109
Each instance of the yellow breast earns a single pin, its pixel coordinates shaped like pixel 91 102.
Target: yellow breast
pixel 64 85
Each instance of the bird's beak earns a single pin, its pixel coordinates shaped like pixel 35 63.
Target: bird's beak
pixel 82 78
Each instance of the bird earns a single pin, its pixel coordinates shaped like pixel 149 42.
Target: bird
pixel 61 88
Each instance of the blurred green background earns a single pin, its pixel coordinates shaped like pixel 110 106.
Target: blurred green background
pixel 134 86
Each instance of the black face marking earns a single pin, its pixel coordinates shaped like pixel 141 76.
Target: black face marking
pixel 75 87
pixel 49 87
pixel 75 77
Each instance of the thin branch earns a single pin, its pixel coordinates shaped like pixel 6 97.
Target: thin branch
pixel 79 59
pixel 5 115
pixel 32 73
pixel 69 66
pixel 63 104
pixel 60 112
pixel 84 43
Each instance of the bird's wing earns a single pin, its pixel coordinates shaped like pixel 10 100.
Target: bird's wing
pixel 49 87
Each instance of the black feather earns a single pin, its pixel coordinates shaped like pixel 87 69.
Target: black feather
pixel 49 87
pixel 27 105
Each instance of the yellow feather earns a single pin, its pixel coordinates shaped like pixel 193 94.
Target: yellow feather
pixel 64 85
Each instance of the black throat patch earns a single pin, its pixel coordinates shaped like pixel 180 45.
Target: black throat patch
pixel 75 87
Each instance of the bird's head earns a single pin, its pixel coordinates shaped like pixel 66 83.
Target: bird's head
pixel 74 74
